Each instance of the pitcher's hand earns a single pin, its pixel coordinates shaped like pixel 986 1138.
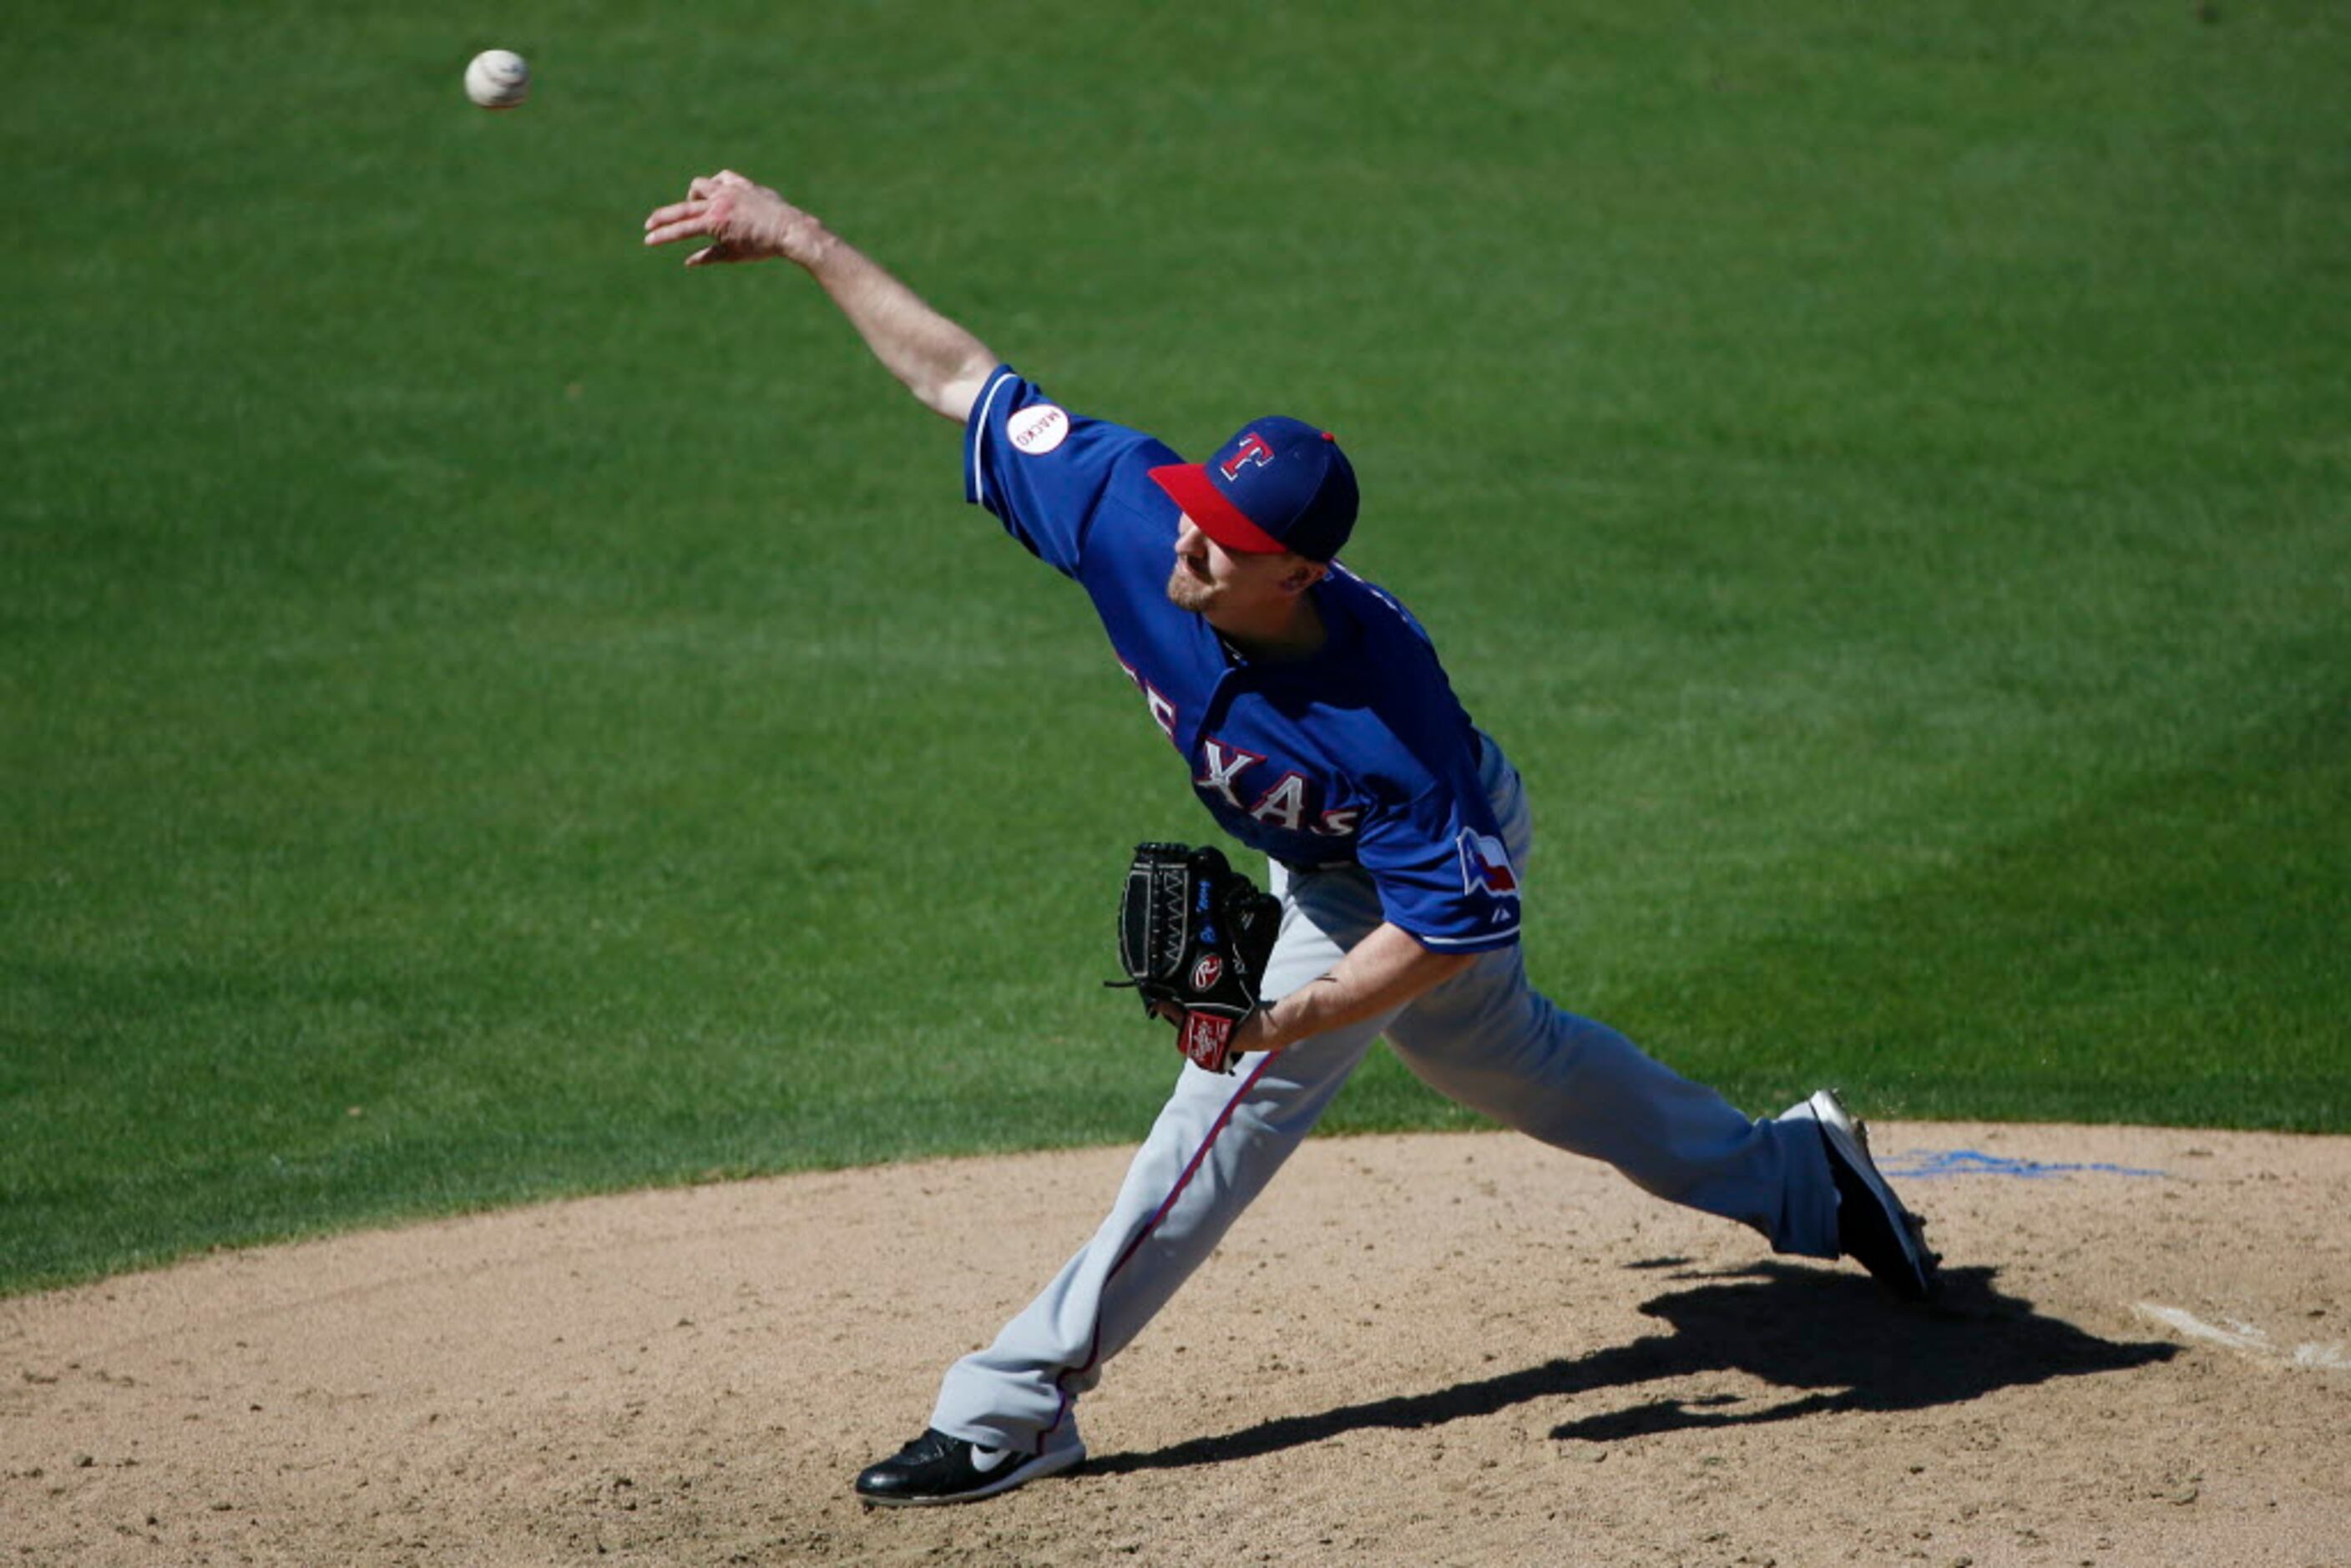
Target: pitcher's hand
pixel 743 221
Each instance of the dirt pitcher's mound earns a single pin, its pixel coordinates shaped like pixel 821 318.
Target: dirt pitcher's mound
pixel 1428 1350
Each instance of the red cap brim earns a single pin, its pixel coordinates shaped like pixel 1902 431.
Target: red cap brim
pixel 1188 485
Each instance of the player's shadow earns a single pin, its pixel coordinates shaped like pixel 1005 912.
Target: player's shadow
pixel 1832 1338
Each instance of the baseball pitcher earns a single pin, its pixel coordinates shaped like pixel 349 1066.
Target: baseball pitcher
pixel 1316 725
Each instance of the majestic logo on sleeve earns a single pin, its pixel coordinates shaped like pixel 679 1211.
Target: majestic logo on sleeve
pixel 1038 429
pixel 1485 865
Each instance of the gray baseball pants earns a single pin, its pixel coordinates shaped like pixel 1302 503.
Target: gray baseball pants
pixel 1484 1037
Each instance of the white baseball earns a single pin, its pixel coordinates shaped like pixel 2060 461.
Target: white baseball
pixel 497 78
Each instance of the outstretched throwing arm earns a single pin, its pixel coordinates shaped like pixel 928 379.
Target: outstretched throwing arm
pixel 940 364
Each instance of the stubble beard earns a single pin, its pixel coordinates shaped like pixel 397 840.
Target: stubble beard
pixel 1187 591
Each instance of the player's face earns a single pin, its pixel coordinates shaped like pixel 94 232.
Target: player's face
pixel 1234 588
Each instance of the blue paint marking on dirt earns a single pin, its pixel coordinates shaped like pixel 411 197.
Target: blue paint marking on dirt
pixel 1925 1164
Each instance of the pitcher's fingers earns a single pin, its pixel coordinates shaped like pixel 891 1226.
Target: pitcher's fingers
pixel 709 254
pixel 687 228
pixel 673 212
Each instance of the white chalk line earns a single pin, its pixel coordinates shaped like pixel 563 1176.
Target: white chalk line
pixel 2247 1340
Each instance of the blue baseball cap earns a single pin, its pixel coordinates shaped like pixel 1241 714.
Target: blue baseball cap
pixel 1279 485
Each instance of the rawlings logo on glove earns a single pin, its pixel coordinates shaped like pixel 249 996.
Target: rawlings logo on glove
pixel 1194 935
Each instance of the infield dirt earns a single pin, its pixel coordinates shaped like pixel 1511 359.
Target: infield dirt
pixel 1458 1349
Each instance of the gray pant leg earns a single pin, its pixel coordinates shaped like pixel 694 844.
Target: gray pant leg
pixel 1490 1042
pixel 1215 1145
pixel 1488 1039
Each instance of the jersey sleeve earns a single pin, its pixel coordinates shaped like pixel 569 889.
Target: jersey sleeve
pixel 1046 473
pixel 1442 872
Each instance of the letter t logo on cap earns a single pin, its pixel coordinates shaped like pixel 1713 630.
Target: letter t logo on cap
pixel 1253 452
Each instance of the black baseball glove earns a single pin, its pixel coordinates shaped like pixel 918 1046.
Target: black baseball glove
pixel 1195 932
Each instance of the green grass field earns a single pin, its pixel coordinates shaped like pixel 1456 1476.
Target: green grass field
pixel 489 714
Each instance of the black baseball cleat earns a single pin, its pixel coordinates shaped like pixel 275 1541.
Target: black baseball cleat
pixel 1873 1227
pixel 936 1469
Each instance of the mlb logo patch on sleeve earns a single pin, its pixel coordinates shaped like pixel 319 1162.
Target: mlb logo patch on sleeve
pixel 1485 865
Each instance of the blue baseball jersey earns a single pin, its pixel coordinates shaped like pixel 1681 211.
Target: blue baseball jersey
pixel 1358 755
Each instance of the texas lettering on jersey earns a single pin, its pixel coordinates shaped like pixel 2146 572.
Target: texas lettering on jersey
pixel 1231 773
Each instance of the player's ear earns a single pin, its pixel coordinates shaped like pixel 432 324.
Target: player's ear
pixel 1302 574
